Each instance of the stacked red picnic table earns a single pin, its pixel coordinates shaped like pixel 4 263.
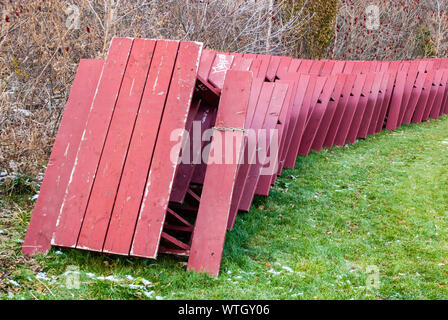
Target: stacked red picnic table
pixel 163 143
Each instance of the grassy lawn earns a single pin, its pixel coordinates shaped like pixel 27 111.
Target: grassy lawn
pixel 366 221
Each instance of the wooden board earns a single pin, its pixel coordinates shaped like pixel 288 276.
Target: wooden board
pixel 161 174
pixel 212 218
pixel 110 168
pixel 350 110
pixel 142 143
pixel 62 158
pixel 269 123
pixel 329 113
pixel 78 189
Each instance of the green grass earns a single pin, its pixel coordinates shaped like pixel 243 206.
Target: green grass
pixel 381 204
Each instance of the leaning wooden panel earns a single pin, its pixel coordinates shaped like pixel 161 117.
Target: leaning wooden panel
pixel 249 152
pixel 415 96
pixel 104 189
pixel 395 104
pixel 339 111
pixel 273 67
pixel 392 70
pixel 88 156
pixel 317 115
pixel 432 94
pixel 361 108
pixel 256 124
pixel 435 111
pixel 220 66
pixel 265 181
pixel 166 152
pixel 305 95
pixel 46 209
pixel 423 100
pixel 299 87
pixel 329 113
pixel 141 148
pixel 370 107
pixel 410 83
pixel 211 222
pixel 269 124
pixel 350 110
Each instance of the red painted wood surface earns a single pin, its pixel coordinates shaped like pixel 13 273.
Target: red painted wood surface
pixel 350 110
pixel 87 158
pixel 258 118
pixel 415 96
pixel 273 67
pixel 339 112
pixel 220 66
pixel 432 94
pixel 272 166
pixel 161 174
pixel 110 168
pixel 317 115
pixel 329 113
pixel 361 108
pixel 211 222
pixel 249 153
pixel 306 98
pixel 46 209
pixel 371 104
pixel 395 104
pixel 423 100
pixel 142 143
pixel 270 121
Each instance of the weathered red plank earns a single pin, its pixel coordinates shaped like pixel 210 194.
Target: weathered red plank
pixel 410 83
pixel 161 173
pixel 249 153
pixel 432 94
pixel 327 68
pixel 415 96
pixel 338 67
pixel 269 123
pixel 207 59
pixel 220 66
pixel 262 107
pixel 329 112
pixel 306 98
pixel 346 122
pixel 104 189
pixel 265 62
pixel 395 104
pixel 46 209
pixel 340 110
pixel 370 107
pixel 379 103
pixel 141 148
pixel 305 66
pixel 88 155
pixel 294 65
pixel 211 222
pixel 272 68
pixel 423 100
pixel 435 111
pixel 361 108
pixel 283 67
pixel 317 115
pixel 392 70
pixel 265 181
pixel 316 67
